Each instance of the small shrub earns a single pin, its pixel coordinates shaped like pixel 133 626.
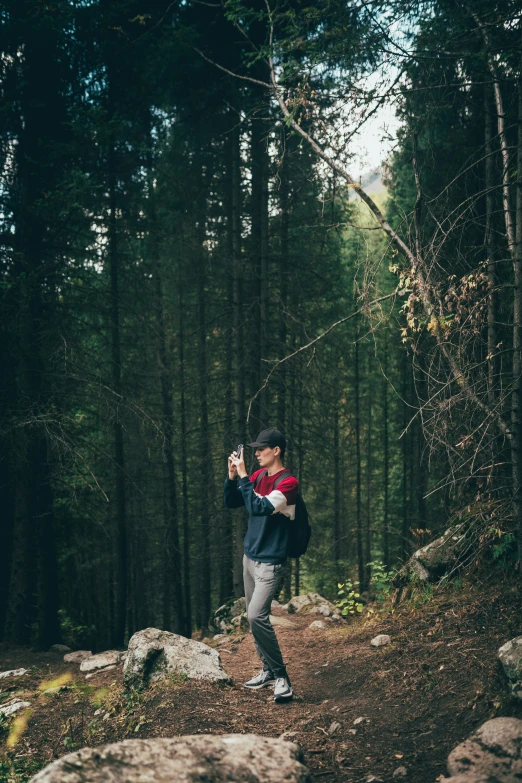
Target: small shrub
pixel 504 546
pixel 381 580
pixel 347 602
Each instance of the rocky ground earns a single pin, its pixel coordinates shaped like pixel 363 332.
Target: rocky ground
pixel 358 711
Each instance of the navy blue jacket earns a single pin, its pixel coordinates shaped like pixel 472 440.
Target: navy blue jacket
pixel 269 511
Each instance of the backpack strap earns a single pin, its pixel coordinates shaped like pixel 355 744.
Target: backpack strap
pixel 281 478
pixel 261 475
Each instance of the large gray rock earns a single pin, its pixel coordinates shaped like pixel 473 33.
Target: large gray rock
pixel 12 673
pixel 298 602
pixel 221 620
pixel 510 657
pixel 322 609
pixel 438 558
pixel 77 657
pixel 13 706
pixel 245 758
pixel 102 660
pixel 492 753
pixel 154 655
pixel 313 603
pixel 240 621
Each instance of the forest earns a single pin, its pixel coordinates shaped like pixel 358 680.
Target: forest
pixel 187 259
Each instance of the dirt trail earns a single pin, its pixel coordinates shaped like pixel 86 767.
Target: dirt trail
pixel 421 695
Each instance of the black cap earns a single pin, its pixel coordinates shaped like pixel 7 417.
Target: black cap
pixel 271 438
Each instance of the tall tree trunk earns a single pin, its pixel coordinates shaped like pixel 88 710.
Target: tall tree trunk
pixel 117 389
pixel 172 574
pixel 284 271
pixel 239 352
pixel 516 405
pixel 33 581
pixel 259 249
pixel 406 457
pixel 386 462
pixel 337 478
pixel 490 250
pixel 369 477
pixel 358 487
pixel 187 577
pixel 204 593
pixel 230 439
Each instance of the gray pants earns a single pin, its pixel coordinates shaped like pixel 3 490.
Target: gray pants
pixel 263 582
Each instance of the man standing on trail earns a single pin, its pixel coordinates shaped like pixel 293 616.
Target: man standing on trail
pixel 269 495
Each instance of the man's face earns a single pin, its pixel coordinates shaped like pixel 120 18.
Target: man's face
pixel 267 456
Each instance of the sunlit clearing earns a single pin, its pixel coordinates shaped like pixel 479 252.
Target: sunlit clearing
pixel 63 679
pixel 17 729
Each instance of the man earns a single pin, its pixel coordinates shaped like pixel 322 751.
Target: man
pixel 265 548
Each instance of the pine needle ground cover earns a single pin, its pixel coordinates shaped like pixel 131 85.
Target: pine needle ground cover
pixel 420 696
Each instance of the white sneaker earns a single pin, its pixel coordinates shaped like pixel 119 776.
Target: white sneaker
pixel 261 680
pixel 282 689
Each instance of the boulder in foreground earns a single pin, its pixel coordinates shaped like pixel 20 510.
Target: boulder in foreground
pixel 154 655
pixel 493 752
pixel 245 758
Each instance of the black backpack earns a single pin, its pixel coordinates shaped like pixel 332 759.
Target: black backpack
pixel 299 530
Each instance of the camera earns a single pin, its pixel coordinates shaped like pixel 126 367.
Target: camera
pixel 239 451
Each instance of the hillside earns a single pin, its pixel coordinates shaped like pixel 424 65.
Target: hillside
pixel 420 696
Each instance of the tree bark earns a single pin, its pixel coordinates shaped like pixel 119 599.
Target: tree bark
pixel 117 390
pixel 204 593
pixel 358 487
pixel 259 250
pixel 386 463
pixel 516 404
pixel 337 478
pixel 492 361
pixel 369 476
pixel 172 574
pixel 239 351
pixel 187 571
pixel 33 583
pixel 406 458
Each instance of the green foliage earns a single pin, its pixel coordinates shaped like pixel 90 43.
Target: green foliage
pixel 423 594
pixel 18 770
pixel 75 635
pixel 504 547
pixel 4 726
pixel 381 580
pixel 348 603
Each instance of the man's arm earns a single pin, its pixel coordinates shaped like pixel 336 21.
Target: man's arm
pixel 280 501
pixel 232 496
pixel 256 505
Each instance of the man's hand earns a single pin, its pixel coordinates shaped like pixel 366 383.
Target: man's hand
pixel 232 470
pixel 238 465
